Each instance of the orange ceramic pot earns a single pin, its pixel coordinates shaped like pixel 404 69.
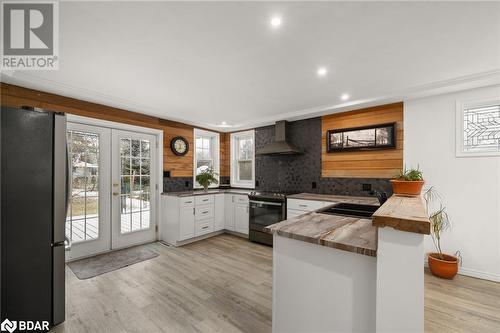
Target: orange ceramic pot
pixel 404 187
pixel 445 267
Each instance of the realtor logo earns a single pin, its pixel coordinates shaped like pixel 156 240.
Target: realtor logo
pixel 29 35
pixel 8 326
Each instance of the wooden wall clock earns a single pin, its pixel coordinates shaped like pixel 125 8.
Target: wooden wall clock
pixel 179 146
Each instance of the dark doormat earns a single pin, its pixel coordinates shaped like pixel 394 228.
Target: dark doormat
pixel 104 263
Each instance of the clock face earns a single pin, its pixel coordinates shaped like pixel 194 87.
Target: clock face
pixel 179 146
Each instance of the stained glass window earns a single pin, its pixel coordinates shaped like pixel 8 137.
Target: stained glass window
pixel 481 129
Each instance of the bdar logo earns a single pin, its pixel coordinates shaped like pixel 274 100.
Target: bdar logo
pixel 8 326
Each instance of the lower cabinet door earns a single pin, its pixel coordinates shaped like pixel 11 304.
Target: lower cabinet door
pixel 229 212
pixel 241 218
pixel 186 223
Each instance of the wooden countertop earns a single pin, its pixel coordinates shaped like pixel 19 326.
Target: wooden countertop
pixel 403 213
pixel 341 232
pixel 358 235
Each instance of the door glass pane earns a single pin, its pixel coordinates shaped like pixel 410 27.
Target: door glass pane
pixel 82 222
pixel 135 205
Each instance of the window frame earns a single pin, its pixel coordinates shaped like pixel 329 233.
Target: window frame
pixel 215 140
pixel 234 142
pixel 461 106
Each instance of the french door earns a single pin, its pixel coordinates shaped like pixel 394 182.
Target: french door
pixel 134 187
pixel 113 196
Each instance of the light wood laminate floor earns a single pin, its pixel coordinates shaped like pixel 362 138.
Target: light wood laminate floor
pixel 224 284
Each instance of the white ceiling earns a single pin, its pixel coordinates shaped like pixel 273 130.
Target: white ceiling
pixel 204 63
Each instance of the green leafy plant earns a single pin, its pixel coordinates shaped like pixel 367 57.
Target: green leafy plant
pixel 440 220
pixel 410 175
pixel 207 177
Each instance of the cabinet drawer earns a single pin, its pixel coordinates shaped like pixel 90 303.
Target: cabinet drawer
pixel 204 212
pixel 304 205
pixel 240 199
pixel 204 228
pixel 291 213
pixel 204 199
pixel 186 201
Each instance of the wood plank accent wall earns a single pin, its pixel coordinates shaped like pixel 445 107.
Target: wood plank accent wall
pixel 225 152
pixel 363 164
pixel 180 166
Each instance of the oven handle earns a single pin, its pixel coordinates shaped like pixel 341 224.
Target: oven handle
pixel 266 203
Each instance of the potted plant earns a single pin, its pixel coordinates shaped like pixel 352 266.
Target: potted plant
pixel 441 264
pixel 408 182
pixel 206 178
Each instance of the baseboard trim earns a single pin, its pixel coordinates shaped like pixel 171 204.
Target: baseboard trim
pixel 473 273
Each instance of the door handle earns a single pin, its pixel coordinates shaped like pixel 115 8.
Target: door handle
pixel 115 193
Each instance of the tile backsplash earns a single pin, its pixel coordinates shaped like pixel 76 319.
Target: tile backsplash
pixel 299 173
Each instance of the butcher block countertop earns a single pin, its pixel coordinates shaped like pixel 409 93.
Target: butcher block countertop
pixel 354 234
pixel 351 234
pixel 403 213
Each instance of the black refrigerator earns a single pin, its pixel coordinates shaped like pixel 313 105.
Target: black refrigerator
pixel 34 197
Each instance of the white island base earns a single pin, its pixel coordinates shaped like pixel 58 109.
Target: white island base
pixel 322 289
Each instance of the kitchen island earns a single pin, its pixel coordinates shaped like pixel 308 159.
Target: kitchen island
pixel 336 273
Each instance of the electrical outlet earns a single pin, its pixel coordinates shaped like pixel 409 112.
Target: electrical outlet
pixel 187 183
pixel 314 185
pixel 166 174
pixel 367 187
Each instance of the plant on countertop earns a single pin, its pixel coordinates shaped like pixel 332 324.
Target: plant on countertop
pixel 207 177
pixel 408 182
pixel 441 264
pixel 411 175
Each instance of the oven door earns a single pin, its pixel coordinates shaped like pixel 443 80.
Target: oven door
pixel 265 213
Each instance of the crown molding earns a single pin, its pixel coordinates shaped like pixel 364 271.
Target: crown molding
pixel 484 79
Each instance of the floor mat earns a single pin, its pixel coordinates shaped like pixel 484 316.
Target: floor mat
pixel 104 263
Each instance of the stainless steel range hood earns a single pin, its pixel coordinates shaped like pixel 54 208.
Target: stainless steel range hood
pixel 280 146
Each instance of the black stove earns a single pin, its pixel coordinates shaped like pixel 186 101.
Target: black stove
pixel 266 208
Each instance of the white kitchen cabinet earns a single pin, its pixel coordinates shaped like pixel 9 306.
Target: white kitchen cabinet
pixel 219 212
pixel 186 223
pixel 297 207
pixel 229 212
pixel 241 218
pixel 187 218
pixel 236 210
pixel 291 213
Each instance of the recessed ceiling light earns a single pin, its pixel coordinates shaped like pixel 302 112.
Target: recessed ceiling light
pixel 322 71
pixel 223 123
pixel 276 21
pixel 344 97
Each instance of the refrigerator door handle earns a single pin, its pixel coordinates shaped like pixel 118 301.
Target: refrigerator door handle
pixel 67 244
pixel 68 179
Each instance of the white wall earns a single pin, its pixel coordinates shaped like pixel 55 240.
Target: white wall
pixel 470 186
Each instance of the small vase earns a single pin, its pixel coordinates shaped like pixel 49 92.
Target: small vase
pixel 205 188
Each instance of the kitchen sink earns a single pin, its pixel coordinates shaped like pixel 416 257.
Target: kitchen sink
pixel 350 209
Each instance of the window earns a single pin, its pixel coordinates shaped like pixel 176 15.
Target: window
pixel 243 159
pixel 206 153
pixel 478 128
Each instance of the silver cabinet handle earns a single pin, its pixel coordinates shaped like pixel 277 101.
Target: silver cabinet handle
pixel 205 199
pixel 205 227
pixel 205 212
pixel 188 202
pixel 194 210
pixel 302 205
